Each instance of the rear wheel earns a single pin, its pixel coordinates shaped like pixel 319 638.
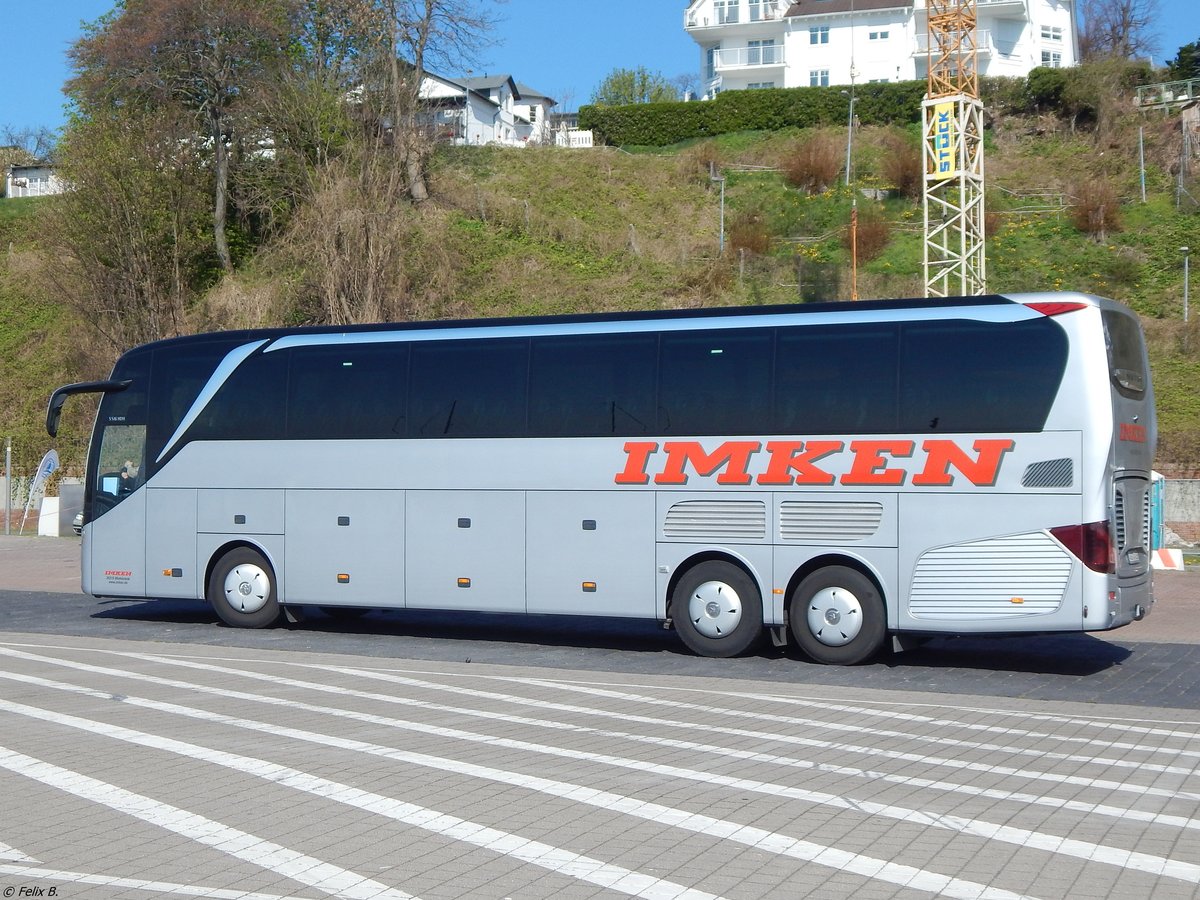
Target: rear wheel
pixel 837 616
pixel 717 610
pixel 242 589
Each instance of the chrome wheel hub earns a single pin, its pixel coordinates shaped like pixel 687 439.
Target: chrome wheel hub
pixel 247 588
pixel 715 609
pixel 835 616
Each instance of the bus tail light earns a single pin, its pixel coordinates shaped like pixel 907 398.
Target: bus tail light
pixel 1091 544
pixel 1056 307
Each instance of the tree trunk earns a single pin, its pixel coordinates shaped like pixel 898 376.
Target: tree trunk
pixel 221 189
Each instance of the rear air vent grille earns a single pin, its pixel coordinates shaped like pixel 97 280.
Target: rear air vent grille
pixel 1052 473
pixel 1000 578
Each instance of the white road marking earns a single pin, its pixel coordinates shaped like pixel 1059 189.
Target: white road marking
pixel 34 873
pixel 1025 838
pixel 315 873
pixel 12 854
pixel 548 857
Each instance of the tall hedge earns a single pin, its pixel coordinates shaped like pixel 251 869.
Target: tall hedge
pixel 661 124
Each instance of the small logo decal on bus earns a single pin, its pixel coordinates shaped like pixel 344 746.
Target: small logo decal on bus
pixel 117 575
pixel 1130 431
pixel 786 463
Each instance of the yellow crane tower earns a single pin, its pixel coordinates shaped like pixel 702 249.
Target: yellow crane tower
pixel 952 113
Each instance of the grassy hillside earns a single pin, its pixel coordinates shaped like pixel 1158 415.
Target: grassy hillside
pixel 534 231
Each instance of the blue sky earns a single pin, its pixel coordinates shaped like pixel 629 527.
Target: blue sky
pixel 563 48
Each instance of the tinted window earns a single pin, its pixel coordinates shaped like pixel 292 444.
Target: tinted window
pixel 1126 364
pixel 980 376
pixel 582 385
pixel 715 382
pixel 249 405
pixel 836 379
pixel 468 389
pixel 347 391
pixel 179 374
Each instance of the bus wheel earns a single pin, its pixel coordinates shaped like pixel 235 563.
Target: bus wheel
pixel 242 590
pixel 717 610
pixel 837 616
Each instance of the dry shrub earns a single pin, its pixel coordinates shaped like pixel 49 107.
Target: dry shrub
pixel 1096 208
pixel 235 303
pixel 873 234
pixel 366 254
pixel 992 222
pixel 697 163
pixel 748 231
pixel 813 165
pixel 901 165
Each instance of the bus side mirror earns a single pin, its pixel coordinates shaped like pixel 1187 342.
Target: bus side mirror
pixel 59 397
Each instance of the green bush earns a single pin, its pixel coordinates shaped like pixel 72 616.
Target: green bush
pixel 662 124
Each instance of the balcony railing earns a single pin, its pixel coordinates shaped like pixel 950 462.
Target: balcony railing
pixel 983 43
pixel 1171 93
pixel 993 6
pixel 737 14
pixel 747 57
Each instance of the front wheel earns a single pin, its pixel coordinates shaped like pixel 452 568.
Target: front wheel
pixel 717 610
pixel 242 589
pixel 837 616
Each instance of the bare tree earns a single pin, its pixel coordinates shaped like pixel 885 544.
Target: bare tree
pixel 411 35
pixel 1118 28
pixel 32 143
pixel 204 55
pixel 124 245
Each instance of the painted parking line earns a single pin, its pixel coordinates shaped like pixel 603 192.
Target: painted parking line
pixel 661 815
pixel 1051 843
pixel 308 870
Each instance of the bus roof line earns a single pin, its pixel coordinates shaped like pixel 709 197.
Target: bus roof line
pixel 220 375
pixel 852 314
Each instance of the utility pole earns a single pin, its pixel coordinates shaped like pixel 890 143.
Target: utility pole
pixel 713 176
pixel 853 193
pixel 955 263
pixel 1186 278
pixel 8 485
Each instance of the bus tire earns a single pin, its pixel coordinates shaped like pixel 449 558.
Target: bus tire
pixel 717 610
pixel 242 589
pixel 837 616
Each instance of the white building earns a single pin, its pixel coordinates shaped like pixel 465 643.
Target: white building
pixel 811 43
pixel 32 181
pixel 492 109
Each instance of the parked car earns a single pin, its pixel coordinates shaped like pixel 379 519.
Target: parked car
pixel 77 523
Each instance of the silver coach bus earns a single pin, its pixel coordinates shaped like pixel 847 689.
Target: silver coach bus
pixel 836 473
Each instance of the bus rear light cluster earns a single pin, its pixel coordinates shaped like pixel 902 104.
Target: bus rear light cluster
pixel 1056 308
pixel 1091 544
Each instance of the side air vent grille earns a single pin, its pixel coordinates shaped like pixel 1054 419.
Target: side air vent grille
pixel 828 522
pixel 1051 473
pixel 1122 533
pixel 716 520
pixel 1000 578
pixel 1147 524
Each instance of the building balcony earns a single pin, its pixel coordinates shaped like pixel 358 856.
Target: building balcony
pixel 1000 9
pixel 983 44
pixel 729 58
pixel 745 13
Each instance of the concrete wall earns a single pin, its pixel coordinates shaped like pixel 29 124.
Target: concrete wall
pixel 1181 507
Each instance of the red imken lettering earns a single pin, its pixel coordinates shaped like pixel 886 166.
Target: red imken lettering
pixel 872 463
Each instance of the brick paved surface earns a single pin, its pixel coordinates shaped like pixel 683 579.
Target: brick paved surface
pixel 146 751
